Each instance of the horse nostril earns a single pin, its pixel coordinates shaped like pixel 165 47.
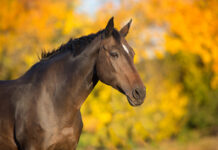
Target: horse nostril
pixel 136 93
pixel 139 93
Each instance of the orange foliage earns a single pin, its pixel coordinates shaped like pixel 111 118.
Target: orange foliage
pixel 182 25
pixel 28 26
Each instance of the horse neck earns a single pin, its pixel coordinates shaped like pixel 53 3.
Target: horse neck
pixel 71 79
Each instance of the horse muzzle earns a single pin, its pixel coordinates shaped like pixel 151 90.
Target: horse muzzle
pixel 137 96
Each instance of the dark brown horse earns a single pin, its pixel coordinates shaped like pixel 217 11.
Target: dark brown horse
pixel 41 109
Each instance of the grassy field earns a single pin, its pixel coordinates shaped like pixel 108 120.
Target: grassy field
pixel 203 143
pixel 206 143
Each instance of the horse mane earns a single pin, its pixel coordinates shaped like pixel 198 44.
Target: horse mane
pixel 76 46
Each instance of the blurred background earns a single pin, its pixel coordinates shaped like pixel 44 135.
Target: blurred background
pixel 176 45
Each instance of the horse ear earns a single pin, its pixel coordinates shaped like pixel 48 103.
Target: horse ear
pixel 109 28
pixel 124 31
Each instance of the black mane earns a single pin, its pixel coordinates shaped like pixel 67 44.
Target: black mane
pixel 77 45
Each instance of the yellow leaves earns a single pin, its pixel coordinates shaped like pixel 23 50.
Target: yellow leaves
pixel 29 60
pixel 167 109
pixel 173 45
pixel 139 131
pixel 214 82
pixel 105 117
pixel 90 123
pixel 113 136
pixel 159 55
pixel 173 106
pixel 74 24
pixel 69 23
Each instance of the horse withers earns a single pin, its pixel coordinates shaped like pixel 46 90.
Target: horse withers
pixel 41 109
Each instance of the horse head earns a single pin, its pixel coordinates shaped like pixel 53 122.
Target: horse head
pixel 115 65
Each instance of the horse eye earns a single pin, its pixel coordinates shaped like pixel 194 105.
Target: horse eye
pixel 114 54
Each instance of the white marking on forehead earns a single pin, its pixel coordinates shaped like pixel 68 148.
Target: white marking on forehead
pixel 125 48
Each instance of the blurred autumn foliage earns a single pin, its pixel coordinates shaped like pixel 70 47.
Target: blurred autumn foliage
pixel 176 45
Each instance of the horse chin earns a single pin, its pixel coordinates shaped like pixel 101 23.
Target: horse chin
pixel 132 103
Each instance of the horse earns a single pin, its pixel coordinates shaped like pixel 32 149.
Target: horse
pixel 41 109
